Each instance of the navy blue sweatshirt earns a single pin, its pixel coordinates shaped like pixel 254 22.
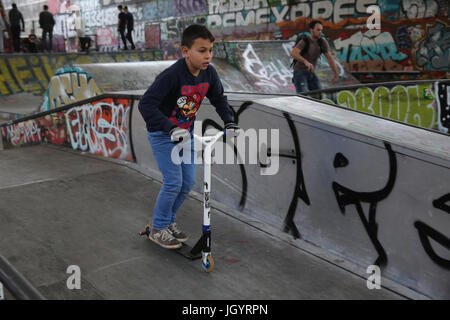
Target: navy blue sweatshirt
pixel 175 97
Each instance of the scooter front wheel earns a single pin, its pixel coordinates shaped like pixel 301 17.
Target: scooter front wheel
pixel 209 264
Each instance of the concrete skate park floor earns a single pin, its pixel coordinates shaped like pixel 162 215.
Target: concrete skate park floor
pixel 60 208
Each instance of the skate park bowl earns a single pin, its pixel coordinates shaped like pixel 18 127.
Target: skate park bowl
pixel 370 190
pixel 360 171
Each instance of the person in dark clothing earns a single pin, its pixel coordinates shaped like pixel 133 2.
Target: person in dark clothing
pixel 46 22
pixel 31 43
pixel 15 18
pixel 130 27
pixel 121 25
pixel 304 78
pixel 169 108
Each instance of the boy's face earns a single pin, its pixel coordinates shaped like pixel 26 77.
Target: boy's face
pixel 199 55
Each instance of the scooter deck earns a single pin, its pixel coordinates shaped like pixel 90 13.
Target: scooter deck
pixel 185 250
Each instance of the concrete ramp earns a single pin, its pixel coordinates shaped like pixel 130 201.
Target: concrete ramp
pixel 113 77
pixel 267 65
pixel 61 209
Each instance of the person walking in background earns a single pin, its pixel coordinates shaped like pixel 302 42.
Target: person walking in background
pixel 121 25
pixel 46 22
pixel 15 19
pixel 306 52
pixel 130 26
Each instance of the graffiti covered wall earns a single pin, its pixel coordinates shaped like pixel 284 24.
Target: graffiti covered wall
pixel 32 73
pixel 266 65
pixel 413 34
pixel 67 86
pixel 424 105
pixel 101 128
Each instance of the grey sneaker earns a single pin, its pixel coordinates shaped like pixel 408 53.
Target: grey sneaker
pixel 164 238
pixel 177 233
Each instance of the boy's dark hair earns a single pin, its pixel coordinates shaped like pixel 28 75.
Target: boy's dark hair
pixel 45 7
pixel 313 23
pixel 193 32
pixel 120 7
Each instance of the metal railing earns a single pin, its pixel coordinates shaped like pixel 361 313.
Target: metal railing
pixel 16 283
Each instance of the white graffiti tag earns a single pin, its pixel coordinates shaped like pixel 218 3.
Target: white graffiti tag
pixel 271 76
pixel 23 133
pixel 99 129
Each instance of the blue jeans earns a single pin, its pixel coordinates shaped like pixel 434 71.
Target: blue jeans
pixel 305 81
pixel 178 179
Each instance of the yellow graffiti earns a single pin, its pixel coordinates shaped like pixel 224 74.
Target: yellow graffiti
pixel 413 105
pixel 39 72
pixel 71 87
pixel 32 73
pixel 20 69
pixel 7 82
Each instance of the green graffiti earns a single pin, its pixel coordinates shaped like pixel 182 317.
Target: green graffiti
pixel 413 105
pixel 346 99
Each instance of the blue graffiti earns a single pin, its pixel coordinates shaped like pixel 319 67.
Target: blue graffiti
pixel 434 51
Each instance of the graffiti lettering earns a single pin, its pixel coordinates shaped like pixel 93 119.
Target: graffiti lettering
pixel 406 104
pixel 442 92
pixel 32 73
pixel 369 50
pixel 346 196
pixel 271 75
pixel 247 12
pixel 426 233
pixel 22 133
pixel 69 85
pixel 434 51
pixel 419 8
pixel 100 128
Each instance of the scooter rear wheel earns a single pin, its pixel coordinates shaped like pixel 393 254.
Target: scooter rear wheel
pixel 209 264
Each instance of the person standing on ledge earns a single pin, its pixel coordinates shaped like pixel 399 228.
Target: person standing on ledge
pixel 121 25
pixel 47 22
pixel 15 18
pixel 306 52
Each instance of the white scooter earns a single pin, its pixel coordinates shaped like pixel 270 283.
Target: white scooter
pixel 202 249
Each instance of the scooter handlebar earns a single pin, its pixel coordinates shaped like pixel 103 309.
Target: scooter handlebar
pixel 205 140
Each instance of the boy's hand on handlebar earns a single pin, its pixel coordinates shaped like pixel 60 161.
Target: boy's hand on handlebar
pixel 232 129
pixel 179 135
